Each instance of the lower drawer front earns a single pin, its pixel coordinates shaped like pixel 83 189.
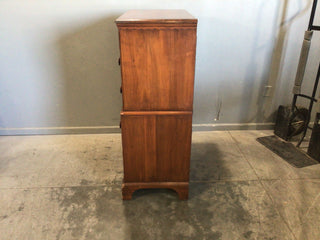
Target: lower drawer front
pixel 156 146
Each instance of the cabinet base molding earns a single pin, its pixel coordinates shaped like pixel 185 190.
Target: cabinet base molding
pixel 182 188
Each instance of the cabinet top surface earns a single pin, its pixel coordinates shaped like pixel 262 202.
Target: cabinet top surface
pixel 161 16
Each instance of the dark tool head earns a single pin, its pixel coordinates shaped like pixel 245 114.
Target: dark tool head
pixel 290 123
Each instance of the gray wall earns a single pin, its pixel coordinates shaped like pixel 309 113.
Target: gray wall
pixel 59 72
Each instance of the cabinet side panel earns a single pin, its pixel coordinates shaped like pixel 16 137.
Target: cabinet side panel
pixel 174 147
pixel 157 66
pixel 139 148
pixel 156 148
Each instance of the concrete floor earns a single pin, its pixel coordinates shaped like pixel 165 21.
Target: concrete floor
pixel 68 187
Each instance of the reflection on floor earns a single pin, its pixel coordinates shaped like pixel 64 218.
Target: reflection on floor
pixel 68 187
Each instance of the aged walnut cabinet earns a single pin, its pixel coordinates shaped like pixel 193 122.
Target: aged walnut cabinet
pixel 157 58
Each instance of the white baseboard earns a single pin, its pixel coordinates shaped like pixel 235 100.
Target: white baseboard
pixel 116 129
pixel 232 126
pixel 59 130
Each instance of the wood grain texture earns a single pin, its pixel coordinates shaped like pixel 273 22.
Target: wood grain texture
pixel 157 58
pixel 157 68
pixel 156 148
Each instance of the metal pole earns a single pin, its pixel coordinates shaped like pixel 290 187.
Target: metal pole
pixel 313 12
pixel 310 106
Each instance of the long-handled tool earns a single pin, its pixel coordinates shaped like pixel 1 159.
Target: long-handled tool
pixel 294 120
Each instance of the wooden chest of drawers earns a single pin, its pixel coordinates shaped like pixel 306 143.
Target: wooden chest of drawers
pixel 157 58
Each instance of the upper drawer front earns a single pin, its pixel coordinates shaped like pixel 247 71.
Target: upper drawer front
pixel 157 67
